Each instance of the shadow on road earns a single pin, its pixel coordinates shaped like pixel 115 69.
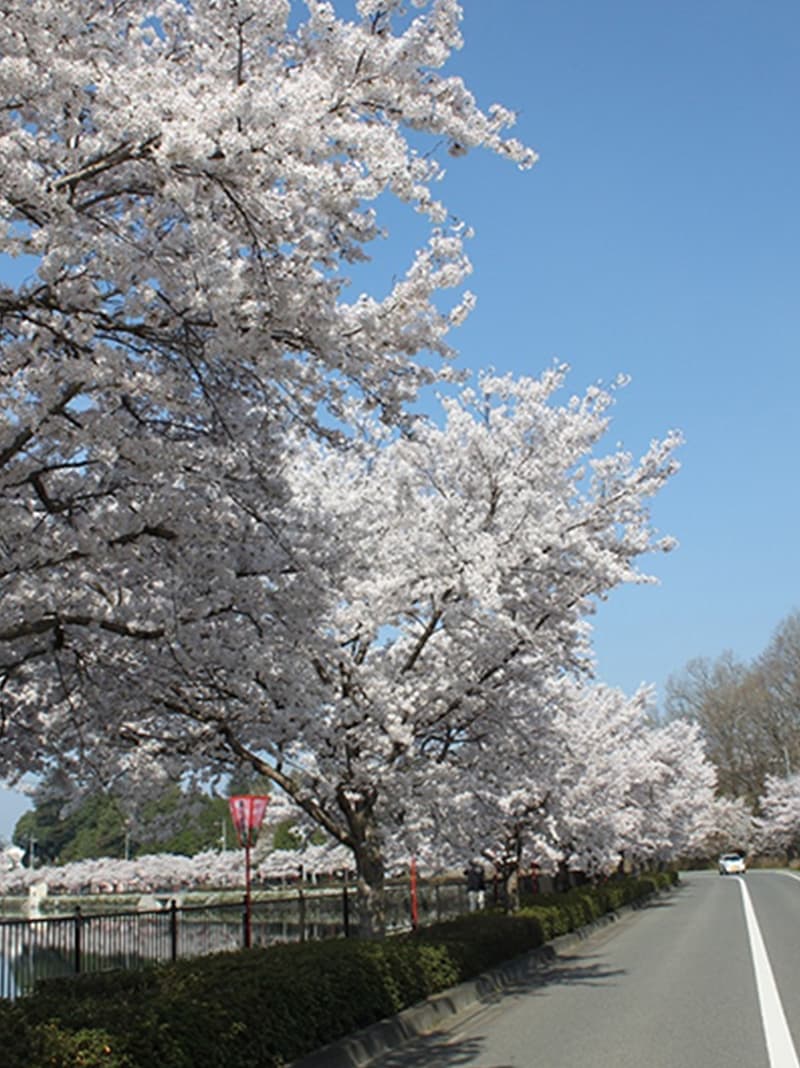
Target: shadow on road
pixel 577 970
pixel 446 1049
pixel 436 1051
pixel 658 903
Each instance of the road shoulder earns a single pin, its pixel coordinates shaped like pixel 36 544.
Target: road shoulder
pixel 443 1011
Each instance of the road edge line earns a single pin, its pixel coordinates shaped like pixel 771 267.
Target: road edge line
pixel 778 1037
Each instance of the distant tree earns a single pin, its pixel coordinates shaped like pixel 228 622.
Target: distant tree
pixel 99 828
pixel 725 825
pixel 779 672
pixel 181 821
pixel 725 698
pixel 749 713
pixel 63 827
pixel 56 832
pixel 286 836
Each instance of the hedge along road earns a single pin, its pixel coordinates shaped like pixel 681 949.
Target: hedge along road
pixel 704 977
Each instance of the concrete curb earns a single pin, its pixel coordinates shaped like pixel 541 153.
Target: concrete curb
pixel 441 1010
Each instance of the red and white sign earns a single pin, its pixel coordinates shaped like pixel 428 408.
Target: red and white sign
pixel 247 813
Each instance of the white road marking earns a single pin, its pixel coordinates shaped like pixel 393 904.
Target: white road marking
pixel 791 874
pixel 780 1047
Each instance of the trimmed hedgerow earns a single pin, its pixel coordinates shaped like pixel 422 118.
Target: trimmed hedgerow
pixel 266 1007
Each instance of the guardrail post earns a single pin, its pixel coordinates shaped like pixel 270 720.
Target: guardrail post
pixel 78 922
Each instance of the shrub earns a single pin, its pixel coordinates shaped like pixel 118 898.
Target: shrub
pixel 269 1006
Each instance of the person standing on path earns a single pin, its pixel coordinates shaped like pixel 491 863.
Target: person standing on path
pixel 476 885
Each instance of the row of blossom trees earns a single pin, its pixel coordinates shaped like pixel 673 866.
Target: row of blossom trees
pixel 613 785
pixel 151 873
pixel 698 829
pixel 225 541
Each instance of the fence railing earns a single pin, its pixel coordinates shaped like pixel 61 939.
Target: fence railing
pixel 48 946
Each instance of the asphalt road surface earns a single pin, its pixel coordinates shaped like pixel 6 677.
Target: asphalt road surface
pixel 704 977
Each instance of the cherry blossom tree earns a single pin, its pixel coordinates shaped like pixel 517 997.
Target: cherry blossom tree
pixel 444 582
pixel 682 792
pixel 597 780
pixel 218 870
pixel 212 554
pixel 778 826
pixel 194 183
pixel 724 825
pixel 10 859
pixel 594 810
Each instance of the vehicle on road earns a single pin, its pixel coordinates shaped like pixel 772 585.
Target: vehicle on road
pixel 732 864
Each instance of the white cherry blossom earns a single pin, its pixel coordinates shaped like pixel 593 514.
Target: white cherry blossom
pixel 778 826
pixel 223 539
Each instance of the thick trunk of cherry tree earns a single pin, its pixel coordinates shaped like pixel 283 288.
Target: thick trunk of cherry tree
pixel 367 846
pixel 355 826
pixel 507 867
pixel 371 891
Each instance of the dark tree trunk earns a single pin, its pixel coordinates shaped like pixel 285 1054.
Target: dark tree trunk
pixel 367 846
pixel 371 891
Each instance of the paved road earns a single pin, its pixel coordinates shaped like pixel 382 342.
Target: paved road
pixel 688 982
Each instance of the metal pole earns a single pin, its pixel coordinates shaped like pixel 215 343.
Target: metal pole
pixel 346 908
pixel 173 929
pixel 414 904
pixel 248 933
pixel 78 947
pixel 301 912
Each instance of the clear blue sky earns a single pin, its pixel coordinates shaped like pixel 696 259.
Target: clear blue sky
pixel 659 235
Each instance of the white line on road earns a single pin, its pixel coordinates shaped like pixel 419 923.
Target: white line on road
pixel 776 1031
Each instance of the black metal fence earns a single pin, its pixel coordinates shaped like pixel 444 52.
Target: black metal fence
pixel 43 947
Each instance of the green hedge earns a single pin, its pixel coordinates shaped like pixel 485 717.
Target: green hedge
pixel 262 1008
